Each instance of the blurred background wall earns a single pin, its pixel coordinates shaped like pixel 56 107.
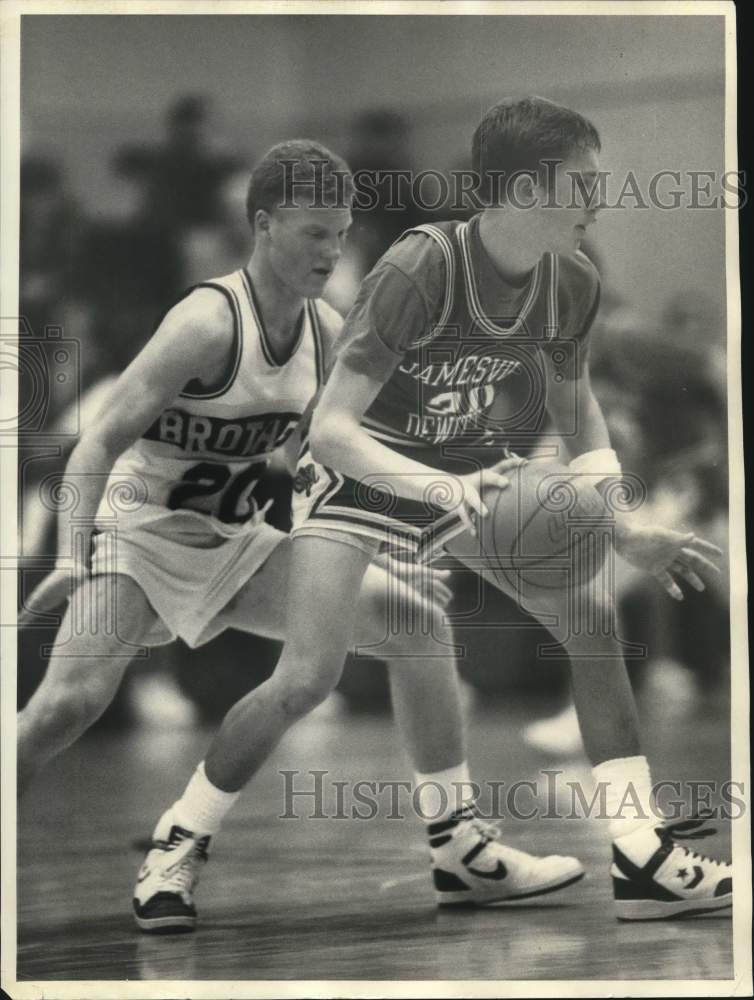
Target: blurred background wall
pixel 137 136
pixel 653 85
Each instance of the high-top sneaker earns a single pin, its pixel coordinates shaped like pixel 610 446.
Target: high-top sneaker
pixel 470 867
pixel 163 895
pixel 674 882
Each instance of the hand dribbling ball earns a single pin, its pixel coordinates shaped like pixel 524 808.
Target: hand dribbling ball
pixel 550 529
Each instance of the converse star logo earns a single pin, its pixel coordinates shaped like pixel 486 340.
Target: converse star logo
pixel 698 876
pixel 683 873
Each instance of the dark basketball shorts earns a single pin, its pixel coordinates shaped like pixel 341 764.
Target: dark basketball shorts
pixel 370 514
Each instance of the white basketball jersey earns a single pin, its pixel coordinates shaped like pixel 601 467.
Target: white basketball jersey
pixel 207 451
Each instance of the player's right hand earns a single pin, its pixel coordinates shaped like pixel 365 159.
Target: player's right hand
pixel 53 591
pixel 473 506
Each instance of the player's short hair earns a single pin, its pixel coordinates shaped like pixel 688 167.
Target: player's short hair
pixel 519 135
pixel 300 172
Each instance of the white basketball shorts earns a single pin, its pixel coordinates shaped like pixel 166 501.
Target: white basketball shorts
pixel 188 567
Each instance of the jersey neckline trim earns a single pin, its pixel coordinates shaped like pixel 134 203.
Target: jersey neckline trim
pixel 474 299
pixel 319 353
pixel 264 339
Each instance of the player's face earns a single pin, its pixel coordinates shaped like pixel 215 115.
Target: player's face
pixel 567 210
pixel 305 244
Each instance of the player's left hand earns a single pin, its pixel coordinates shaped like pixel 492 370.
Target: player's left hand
pixel 668 556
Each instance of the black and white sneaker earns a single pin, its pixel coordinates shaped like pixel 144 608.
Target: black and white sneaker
pixel 675 882
pixel 163 895
pixel 471 868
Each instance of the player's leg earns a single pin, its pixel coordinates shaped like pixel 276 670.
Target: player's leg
pixel 321 596
pixel 420 659
pixel 469 864
pixel 648 866
pixel 322 624
pixel 318 628
pixel 601 688
pixel 105 617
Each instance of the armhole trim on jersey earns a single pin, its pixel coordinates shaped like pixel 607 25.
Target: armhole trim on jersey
pixel 319 352
pixel 553 317
pixel 446 246
pixel 229 375
pixel 590 317
pixel 475 303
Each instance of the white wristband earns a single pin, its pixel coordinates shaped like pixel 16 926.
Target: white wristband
pixel 602 462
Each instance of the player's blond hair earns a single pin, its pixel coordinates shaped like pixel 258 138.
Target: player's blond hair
pixel 299 172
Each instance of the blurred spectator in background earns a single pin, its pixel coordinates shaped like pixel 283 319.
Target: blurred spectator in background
pixel 130 271
pixel 380 146
pixel 52 229
pixel 133 265
pixel 225 243
pixel 182 177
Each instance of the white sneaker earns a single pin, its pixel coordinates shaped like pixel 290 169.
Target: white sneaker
pixel 471 868
pixel 675 882
pixel 163 895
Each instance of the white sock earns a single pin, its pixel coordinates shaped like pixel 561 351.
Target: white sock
pixel 441 793
pixel 629 805
pixel 202 807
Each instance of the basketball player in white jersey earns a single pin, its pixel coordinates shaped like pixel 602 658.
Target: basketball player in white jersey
pixel 184 437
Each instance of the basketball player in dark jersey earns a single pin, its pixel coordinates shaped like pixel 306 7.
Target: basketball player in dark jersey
pixel 457 322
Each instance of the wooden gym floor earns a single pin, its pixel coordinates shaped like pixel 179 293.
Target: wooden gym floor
pixel 339 898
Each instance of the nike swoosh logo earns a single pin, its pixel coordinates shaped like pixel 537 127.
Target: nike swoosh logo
pixel 495 875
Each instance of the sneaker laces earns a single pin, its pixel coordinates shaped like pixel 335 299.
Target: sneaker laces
pixel 690 829
pixel 486 830
pixel 178 865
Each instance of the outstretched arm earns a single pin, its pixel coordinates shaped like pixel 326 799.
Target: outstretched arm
pixel 666 554
pixel 192 341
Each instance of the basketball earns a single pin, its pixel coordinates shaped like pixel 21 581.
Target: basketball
pixel 549 529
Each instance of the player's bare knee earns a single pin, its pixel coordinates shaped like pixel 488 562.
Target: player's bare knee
pixel 303 682
pixel 65 709
pixel 303 697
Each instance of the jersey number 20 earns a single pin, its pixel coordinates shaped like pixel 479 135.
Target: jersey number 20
pixel 237 503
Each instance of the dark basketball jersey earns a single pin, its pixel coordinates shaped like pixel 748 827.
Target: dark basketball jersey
pixel 476 374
